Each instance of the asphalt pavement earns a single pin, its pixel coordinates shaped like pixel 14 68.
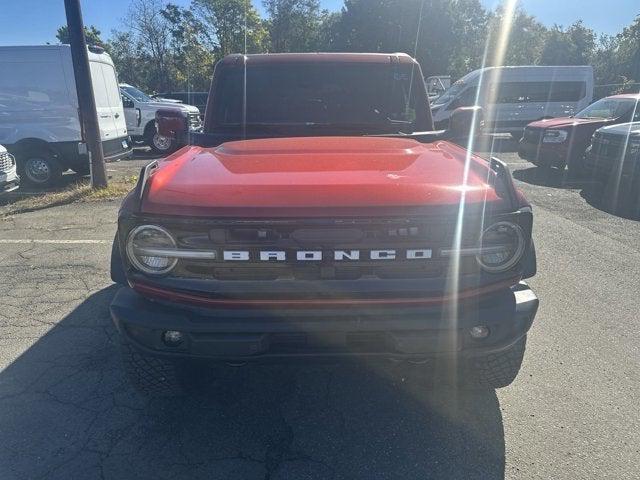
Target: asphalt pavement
pixel 67 411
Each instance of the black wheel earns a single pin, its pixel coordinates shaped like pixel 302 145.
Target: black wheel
pixel 496 370
pixel 158 143
pixel 39 168
pixel 153 376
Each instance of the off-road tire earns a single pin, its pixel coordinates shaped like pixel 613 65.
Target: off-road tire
pixel 152 376
pixel 497 370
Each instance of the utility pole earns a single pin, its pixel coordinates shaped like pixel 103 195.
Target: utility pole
pixel 84 87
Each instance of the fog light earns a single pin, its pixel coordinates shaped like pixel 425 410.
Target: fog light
pixel 479 331
pixel 172 338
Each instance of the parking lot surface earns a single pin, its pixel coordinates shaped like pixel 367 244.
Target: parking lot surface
pixel 67 411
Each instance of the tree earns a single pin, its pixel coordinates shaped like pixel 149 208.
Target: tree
pixel 524 36
pixel 294 25
pixel 231 26
pixel 151 32
pixel 91 34
pixel 446 36
pixel 125 55
pixel 192 60
pixel 573 46
pixel 629 50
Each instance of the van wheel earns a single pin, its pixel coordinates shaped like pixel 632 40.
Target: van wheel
pixel 39 169
pixel 158 143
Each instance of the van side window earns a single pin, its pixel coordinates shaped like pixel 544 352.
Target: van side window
pixel 32 85
pixel 539 92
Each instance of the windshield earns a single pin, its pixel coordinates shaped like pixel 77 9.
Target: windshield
pixel 450 94
pixel 608 108
pixel 375 95
pixel 137 94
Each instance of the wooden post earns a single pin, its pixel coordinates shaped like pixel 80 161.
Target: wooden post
pixel 84 87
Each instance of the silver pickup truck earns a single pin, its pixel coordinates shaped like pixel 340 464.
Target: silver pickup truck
pixel 140 113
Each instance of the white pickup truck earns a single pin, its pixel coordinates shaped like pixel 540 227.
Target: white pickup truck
pixel 140 113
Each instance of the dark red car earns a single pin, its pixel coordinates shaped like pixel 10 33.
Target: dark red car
pixel 558 142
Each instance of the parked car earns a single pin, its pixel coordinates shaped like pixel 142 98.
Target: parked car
pixel 198 99
pixel 559 142
pixel 140 111
pixel 9 179
pixel 309 221
pixel 614 158
pixel 512 97
pixel 39 117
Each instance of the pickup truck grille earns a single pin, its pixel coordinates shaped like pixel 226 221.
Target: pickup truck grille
pixel 195 123
pixel 6 161
pixel 405 238
pixel 608 146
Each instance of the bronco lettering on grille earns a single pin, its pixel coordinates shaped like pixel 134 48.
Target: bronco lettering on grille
pixel 318 255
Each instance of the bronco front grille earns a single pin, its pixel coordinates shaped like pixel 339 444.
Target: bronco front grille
pixel 6 161
pixel 401 238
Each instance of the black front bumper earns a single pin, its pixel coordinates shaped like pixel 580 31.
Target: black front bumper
pixel 402 332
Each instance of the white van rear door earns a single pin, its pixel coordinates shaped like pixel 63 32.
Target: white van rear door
pixel 108 129
pixel 115 100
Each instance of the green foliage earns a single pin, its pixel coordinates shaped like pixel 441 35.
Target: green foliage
pixel 573 46
pixel 91 35
pixel 294 25
pixel 231 26
pixel 169 47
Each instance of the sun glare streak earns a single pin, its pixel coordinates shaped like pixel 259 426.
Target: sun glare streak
pixel 453 279
pixel 613 200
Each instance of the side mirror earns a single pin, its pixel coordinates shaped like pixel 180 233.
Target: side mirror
pixel 465 122
pixel 172 123
pixel 127 102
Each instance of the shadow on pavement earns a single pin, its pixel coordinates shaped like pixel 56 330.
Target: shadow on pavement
pixel 623 201
pixel 67 411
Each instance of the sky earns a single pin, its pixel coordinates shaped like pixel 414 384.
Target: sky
pixel 32 22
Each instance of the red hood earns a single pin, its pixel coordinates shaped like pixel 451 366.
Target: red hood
pixel 315 172
pixel 563 122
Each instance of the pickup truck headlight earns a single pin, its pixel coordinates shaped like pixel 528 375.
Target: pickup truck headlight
pixel 145 245
pixel 502 246
pixel 555 136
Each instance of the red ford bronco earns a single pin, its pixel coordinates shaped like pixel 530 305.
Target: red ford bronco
pixel 320 216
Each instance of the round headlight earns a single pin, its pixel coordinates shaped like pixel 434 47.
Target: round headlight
pixel 502 247
pixel 141 243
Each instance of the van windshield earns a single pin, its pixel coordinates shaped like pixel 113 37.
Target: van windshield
pixel 373 96
pixel 450 94
pixel 136 94
pixel 608 108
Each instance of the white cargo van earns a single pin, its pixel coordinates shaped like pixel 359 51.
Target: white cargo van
pixel 39 117
pixel 512 97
